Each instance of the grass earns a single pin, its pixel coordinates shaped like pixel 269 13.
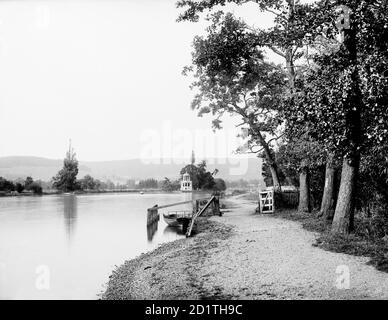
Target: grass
pixel 376 250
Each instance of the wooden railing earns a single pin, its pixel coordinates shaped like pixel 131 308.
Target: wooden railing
pixel 153 214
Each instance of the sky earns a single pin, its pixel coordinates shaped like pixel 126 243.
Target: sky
pixel 107 75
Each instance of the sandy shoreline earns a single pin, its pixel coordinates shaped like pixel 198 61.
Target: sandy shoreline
pixel 168 272
pixel 243 255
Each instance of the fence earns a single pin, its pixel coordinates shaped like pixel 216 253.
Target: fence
pixel 266 202
pixel 287 199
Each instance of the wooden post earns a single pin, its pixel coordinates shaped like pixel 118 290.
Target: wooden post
pixel 151 230
pixel 152 215
pixel 216 206
pixel 185 225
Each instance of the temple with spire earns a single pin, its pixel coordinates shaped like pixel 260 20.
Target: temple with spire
pixel 186 183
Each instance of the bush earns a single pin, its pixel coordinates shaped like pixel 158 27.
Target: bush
pixel 372 224
pixel 372 198
pixel 6 185
pixel 19 187
pixel 36 188
pixel 220 185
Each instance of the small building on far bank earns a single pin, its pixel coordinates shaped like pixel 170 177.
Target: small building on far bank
pixel 186 183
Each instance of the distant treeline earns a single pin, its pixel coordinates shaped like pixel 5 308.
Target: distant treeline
pixel 88 183
pixel 66 181
pixel 19 186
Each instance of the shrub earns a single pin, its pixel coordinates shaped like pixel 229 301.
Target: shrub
pixel 6 185
pixel 19 187
pixel 36 188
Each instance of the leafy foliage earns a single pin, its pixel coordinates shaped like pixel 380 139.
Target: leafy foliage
pixel 168 185
pixel 28 185
pixel 6 185
pixel 219 185
pixel 335 103
pixel 200 177
pixel 148 184
pixel 36 188
pixel 233 78
pixel 324 98
pixel 66 178
pixel 89 183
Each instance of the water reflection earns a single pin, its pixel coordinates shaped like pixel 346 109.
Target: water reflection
pixel 151 230
pixel 88 236
pixel 173 230
pixel 70 214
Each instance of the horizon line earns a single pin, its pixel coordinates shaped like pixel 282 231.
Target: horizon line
pixel 138 158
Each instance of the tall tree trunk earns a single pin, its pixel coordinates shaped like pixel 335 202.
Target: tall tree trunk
pixel 344 212
pixel 304 190
pixel 275 177
pixel 343 221
pixel 270 161
pixel 328 199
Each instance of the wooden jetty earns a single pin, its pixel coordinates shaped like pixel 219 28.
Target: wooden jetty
pixel 153 214
pixel 187 221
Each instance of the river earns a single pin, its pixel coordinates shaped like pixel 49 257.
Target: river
pixel 66 246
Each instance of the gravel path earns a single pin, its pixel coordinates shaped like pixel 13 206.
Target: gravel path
pixel 243 255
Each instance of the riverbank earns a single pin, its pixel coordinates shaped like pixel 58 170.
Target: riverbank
pixel 243 255
pixel 86 192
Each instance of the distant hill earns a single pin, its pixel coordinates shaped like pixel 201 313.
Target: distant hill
pixel 122 170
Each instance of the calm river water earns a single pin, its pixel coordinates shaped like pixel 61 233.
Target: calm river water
pixel 65 247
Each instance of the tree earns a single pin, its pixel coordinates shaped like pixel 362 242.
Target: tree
pixel 293 23
pixel 109 185
pixel 168 185
pixel 19 187
pixel 349 90
pixel 329 194
pixel 36 188
pixel 66 178
pixel 219 184
pixel 192 170
pixel 232 77
pixel 300 157
pixel 6 185
pixel 88 183
pixel 28 182
pixel 31 185
pixel 200 177
pixel 205 178
pixel 148 184
pixel 363 20
pixel 131 184
pixel 346 96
